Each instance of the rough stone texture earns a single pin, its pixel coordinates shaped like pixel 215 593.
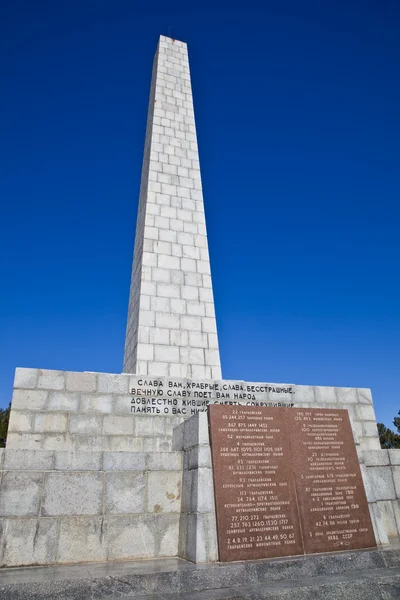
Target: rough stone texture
pixel 72 494
pixel 125 492
pixel 171 326
pixel 198 530
pixel 164 491
pixel 20 493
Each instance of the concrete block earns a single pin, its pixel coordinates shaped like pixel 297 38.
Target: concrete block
pixel 324 394
pixel 122 404
pixel 370 429
pixel 55 441
pixel 25 441
pixel 304 393
pixel 74 461
pixel 364 395
pixel 166 535
pixel 394 456
pixel 388 518
pixel 163 491
pixel 149 426
pixel 366 412
pixel 378 524
pixel 25 378
pixel 117 425
pixel 346 395
pixel 72 494
pixel 125 492
pixel 164 461
pixel 20 493
pixel 376 458
pixel 382 482
pixel 131 537
pixel 124 461
pixel 123 443
pixel 29 541
pixel 29 399
pixel 28 460
pixel 199 457
pixel 50 423
pixel 80 382
pixel 82 539
pixel 196 430
pixel 65 401
pixel 99 403
pixel 51 380
pixel 21 421
pixel 370 443
pixel 88 443
pixel 396 478
pixel 112 384
pixel 203 491
pixel 85 423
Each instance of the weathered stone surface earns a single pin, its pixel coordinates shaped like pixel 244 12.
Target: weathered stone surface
pixel 117 425
pixel 81 382
pixel 394 456
pixel 100 403
pixel 51 380
pixel 77 461
pixel 72 494
pixel 163 491
pixel 29 541
pixel 82 539
pixel 131 537
pixel 50 423
pixel 382 483
pixel 20 493
pixel 20 421
pixel 25 378
pixel 65 401
pixel 112 384
pixel 124 461
pixel 164 461
pixel 85 423
pixel 389 518
pixel 125 492
pixel 27 460
pixel 29 399
pixel 376 458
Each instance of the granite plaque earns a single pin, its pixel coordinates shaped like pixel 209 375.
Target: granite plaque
pixel 257 515
pixel 286 482
pixel 333 508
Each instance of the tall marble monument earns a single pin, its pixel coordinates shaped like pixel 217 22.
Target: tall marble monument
pixel 171 326
pixel 107 467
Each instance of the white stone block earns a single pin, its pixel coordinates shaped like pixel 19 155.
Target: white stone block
pixel 28 460
pixel 80 382
pixel 163 491
pixel 85 423
pixel 29 399
pixel 124 461
pixel 50 423
pixel 82 539
pixel 112 384
pixel 131 537
pixel 382 483
pixel 117 425
pixel 65 401
pixel 20 493
pixel 72 494
pixel 77 461
pixel 20 421
pixel 125 492
pixel 25 378
pixel 98 403
pixel 51 380
pixel 29 541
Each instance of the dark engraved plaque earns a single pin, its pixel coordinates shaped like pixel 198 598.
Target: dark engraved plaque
pixel 332 503
pixel 255 494
pixel 286 481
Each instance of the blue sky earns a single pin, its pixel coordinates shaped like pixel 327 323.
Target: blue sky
pixel 297 110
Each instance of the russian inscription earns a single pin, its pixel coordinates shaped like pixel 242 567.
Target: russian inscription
pixel 185 398
pixel 254 487
pixel 286 482
pixel 332 502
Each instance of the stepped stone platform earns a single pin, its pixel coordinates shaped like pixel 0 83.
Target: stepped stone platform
pixel 357 575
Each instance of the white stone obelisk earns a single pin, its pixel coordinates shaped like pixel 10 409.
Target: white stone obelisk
pixel 171 329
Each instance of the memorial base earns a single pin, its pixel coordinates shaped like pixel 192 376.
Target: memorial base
pixel 361 574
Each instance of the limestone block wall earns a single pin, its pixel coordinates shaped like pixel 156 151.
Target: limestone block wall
pixel 63 507
pixel 381 471
pixel 63 410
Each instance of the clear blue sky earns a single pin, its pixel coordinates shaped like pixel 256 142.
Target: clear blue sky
pixel 297 107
